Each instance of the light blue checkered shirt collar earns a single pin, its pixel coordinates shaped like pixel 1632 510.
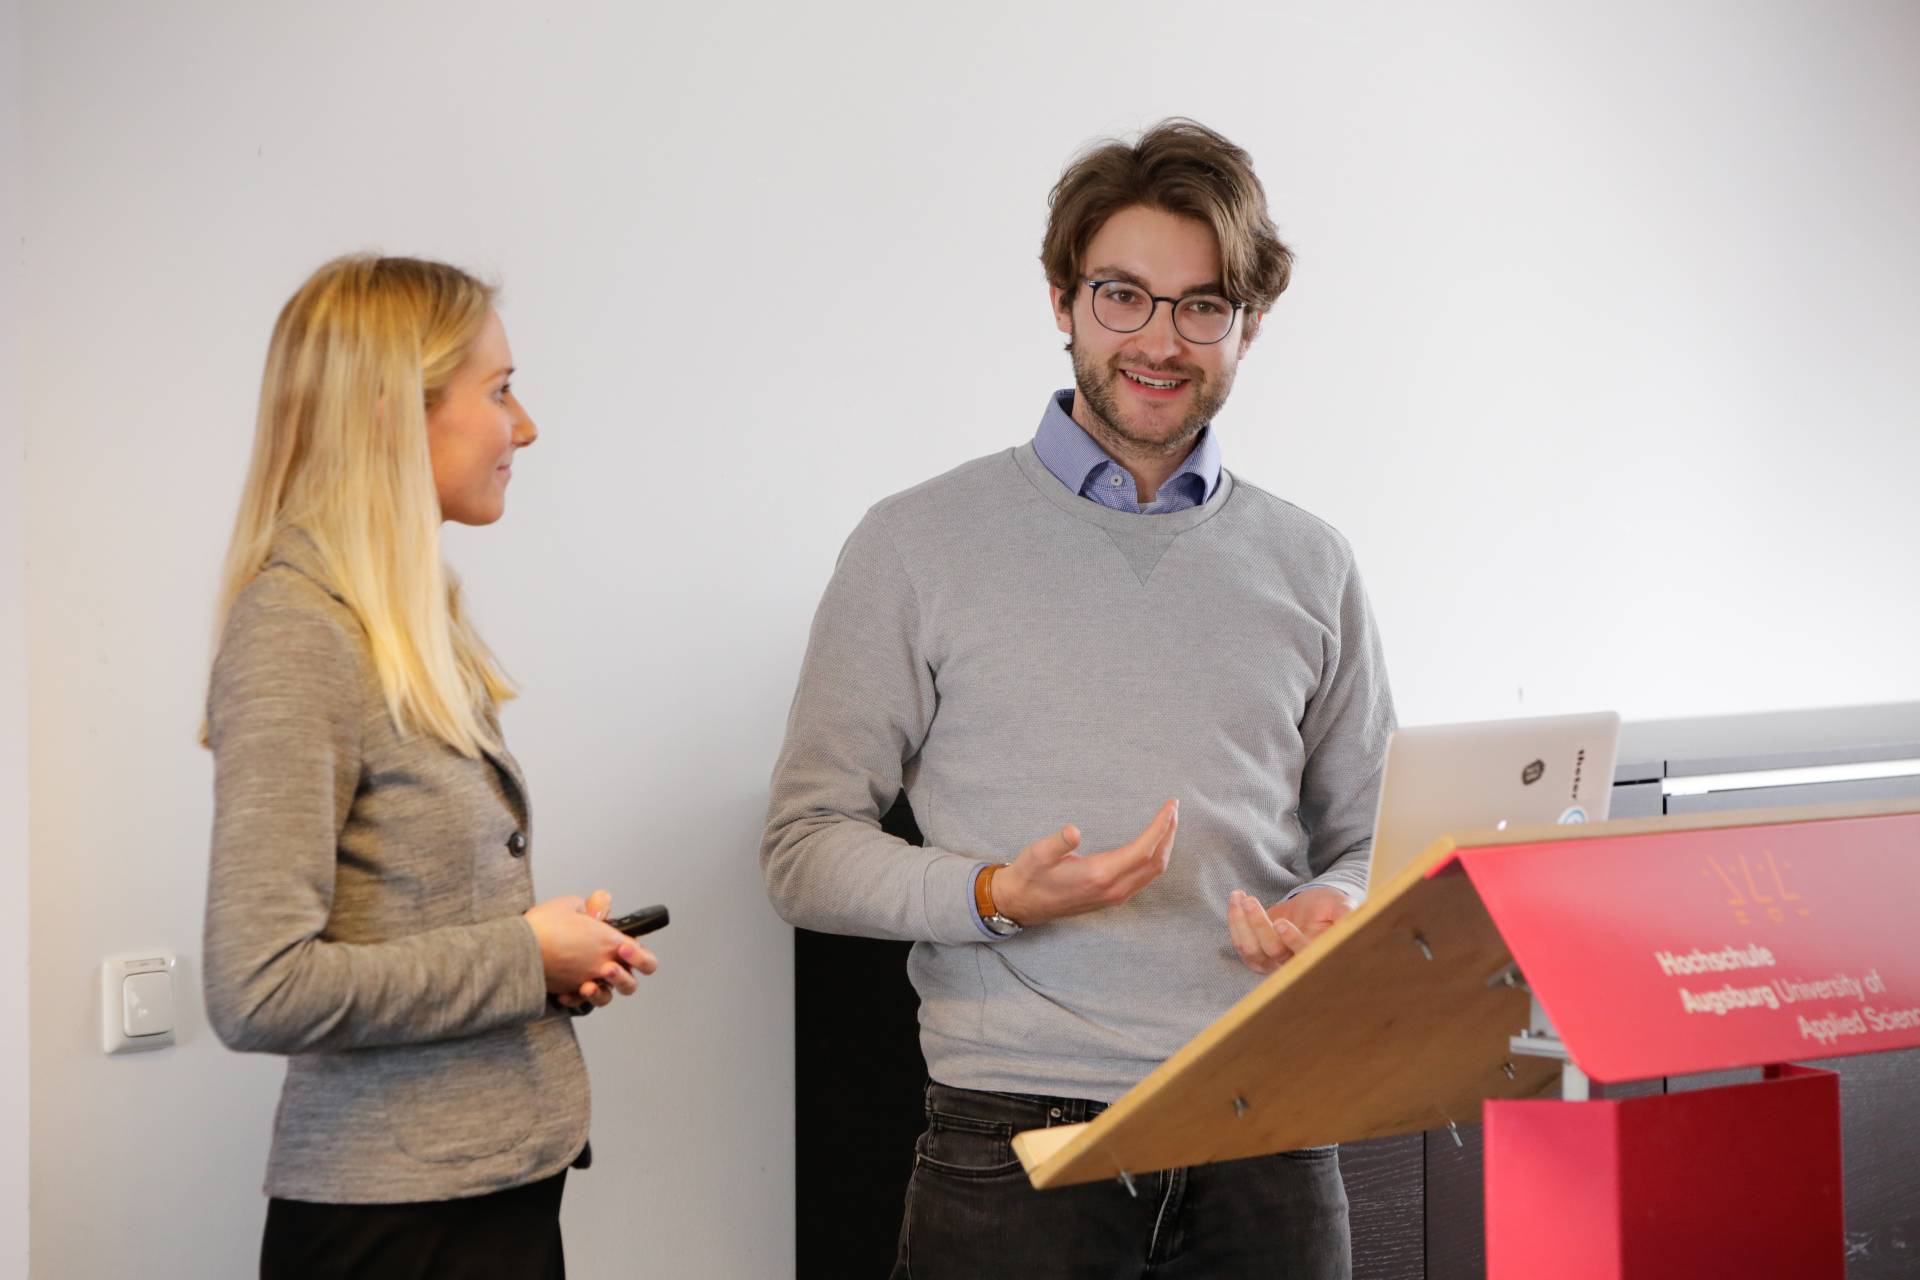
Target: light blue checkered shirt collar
pixel 1078 462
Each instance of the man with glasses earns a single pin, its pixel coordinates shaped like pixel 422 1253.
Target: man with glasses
pixel 1100 628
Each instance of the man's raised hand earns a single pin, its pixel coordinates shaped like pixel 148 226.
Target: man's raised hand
pixel 1049 880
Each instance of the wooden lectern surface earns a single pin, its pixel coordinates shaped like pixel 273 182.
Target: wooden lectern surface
pixel 1382 1041
pixel 1363 1035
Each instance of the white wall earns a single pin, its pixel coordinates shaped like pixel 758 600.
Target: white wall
pixel 1599 350
pixel 13 671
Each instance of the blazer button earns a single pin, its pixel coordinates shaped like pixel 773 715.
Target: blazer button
pixel 517 845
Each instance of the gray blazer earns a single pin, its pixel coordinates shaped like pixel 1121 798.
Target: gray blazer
pixel 363 918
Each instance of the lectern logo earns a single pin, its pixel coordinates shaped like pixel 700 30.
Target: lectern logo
pixel 1532 773
pixel 1756 887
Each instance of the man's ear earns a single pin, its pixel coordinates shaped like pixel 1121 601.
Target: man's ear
pixel 1251 329
pixel 1062 309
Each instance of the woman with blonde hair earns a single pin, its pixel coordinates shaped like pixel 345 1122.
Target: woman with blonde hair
pixel 370 904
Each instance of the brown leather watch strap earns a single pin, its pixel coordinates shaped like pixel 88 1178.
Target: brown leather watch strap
pixel 983 892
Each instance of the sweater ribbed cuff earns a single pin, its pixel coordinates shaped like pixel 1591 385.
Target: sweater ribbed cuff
pixel 1357 893
pixel 948 900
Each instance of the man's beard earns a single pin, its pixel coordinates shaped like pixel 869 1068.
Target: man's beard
pixel 1100 388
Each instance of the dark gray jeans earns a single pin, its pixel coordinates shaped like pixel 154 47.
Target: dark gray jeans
pixel 971 1212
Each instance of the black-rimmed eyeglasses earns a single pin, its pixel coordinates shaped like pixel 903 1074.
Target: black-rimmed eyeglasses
pixel 1125 307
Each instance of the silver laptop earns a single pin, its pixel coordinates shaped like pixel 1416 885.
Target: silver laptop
pixel 1447 778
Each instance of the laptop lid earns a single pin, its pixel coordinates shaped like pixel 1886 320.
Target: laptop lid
pixel 1446 778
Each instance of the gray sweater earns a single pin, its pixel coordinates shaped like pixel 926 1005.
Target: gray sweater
pixel 1018 658
pixel 363 918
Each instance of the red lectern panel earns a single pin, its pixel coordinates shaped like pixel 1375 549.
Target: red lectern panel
pixel 1740 1181
pixel 1667 953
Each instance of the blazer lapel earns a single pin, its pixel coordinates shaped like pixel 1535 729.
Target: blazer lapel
pixel 515 785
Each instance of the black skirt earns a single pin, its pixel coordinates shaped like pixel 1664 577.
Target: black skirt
pixel 512 1233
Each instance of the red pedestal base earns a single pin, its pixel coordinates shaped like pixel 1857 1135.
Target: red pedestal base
pixel 1741 1181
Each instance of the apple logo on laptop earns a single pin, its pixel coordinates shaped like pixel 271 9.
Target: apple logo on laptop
pixel 1531 774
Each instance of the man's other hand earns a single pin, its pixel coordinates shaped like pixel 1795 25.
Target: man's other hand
pixel 1267 939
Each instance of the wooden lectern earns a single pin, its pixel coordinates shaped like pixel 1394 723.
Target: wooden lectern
pixel 1502 965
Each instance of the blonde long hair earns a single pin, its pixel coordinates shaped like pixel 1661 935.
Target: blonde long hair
pixel 359 356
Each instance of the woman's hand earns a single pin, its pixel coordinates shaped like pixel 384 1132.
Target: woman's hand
pixel 584 958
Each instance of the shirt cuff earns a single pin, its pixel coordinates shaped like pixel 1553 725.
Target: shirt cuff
pixel 946 901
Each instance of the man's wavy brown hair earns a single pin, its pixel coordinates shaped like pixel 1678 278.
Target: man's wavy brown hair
pixel 1183 167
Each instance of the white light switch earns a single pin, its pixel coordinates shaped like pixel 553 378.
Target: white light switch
pixel 136 1002
pixel 147 1009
